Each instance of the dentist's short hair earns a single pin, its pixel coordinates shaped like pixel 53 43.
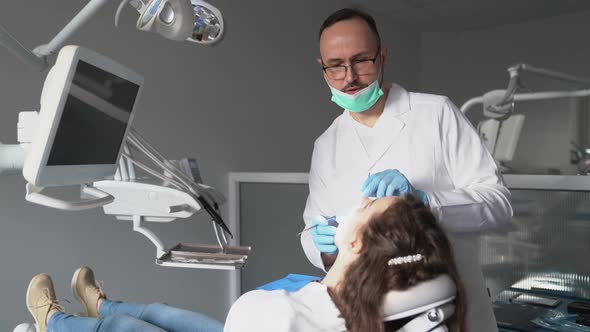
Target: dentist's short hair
pixel 347 14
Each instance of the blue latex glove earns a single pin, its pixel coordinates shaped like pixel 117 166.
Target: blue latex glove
pixel 323 235
pixel 390 183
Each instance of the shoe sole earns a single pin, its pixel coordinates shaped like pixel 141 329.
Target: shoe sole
pixel 75 292
pixel 29 304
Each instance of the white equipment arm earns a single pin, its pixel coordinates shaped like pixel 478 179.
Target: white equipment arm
pixel 12 158
pixel 510 96
pixel 38 58
pixel 91 8
pixel 546 95
pixel 500 132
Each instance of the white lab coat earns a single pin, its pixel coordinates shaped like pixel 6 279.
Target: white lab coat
pixel 432 143
pixel 309 309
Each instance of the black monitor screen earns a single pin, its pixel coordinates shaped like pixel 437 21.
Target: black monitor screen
pixel 94 118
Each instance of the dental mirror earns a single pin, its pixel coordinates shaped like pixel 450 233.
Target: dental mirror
pixel 208 27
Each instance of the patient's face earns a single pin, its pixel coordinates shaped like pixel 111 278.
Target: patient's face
pixel 351 225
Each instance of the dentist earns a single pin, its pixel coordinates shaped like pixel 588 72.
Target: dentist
pixel 390 142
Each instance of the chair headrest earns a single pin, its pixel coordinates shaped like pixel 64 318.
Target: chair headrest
pixel 419 298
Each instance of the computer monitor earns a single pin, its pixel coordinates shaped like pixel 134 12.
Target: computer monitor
pixel 87 105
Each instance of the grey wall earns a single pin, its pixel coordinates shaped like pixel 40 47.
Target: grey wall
pixel 256 102
pixel 271 225
pixel 466 64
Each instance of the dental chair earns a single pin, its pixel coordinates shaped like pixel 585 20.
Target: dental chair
pixel 422 308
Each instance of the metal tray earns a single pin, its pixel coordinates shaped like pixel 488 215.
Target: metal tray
pixel 205 257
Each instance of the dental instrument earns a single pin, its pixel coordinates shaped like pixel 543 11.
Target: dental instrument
pixel 331 222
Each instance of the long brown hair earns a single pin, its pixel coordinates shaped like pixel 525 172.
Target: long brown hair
pixel 406 227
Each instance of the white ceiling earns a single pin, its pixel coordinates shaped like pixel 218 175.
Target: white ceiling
pixel 458 15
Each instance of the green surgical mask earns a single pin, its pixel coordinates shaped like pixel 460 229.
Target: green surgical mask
pixel 360 101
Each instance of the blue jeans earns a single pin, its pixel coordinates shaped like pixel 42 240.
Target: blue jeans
pixel 126 317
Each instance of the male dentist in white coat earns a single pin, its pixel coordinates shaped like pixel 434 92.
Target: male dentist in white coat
pixel 392 142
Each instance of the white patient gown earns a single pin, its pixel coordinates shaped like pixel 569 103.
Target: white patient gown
pixel 309 309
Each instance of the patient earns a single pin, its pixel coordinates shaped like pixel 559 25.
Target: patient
pixel 350 297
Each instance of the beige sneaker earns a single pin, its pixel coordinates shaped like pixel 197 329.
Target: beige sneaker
pixel 41 299
pixel 87 291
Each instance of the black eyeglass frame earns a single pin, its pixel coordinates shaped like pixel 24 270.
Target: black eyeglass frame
pixel 352 64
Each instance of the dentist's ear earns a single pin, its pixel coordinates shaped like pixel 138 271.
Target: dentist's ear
pixel 321 63
pixel 384 53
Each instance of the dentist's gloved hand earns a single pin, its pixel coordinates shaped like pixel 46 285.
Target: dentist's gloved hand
pixel 323 235
pixel 390 183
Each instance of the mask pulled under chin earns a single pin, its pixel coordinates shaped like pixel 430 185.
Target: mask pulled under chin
pixel 360 101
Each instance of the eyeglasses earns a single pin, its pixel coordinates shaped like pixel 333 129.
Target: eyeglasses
pixel 360 67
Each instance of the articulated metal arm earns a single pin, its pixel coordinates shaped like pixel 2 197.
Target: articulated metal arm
pixel 38 57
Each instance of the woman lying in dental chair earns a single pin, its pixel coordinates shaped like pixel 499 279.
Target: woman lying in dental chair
pixel 389 246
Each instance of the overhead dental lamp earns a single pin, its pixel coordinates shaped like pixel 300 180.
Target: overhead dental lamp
pixel 194 21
